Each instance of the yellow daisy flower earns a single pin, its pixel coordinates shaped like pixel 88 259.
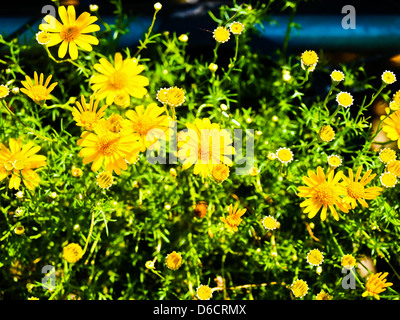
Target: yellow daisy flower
pixel 204 145
pixel 355 190
pixel 106 147
pixel 344 99
pixel 221 34
pixel 173 260
pixel 388 77
pixel 87 116
pixel 233 219
pixel 284 155
pixel 204 292
pixel 348 261
pixel 105 180
pixel 148 125
pixel 299 288
pixel 4 91
pixel 376 284
pixel 386 155
pixel 175 96
pixel 121 78
pixel 309 58
pixel 323 191
pixel 72 32
pixel 38 91
pixel 391 126
pixel 315 257
pixel 19 162
pixel 236 27
pixel 388 179
pixel 72 252
pixel 326 133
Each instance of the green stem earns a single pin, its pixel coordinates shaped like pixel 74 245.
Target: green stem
pixel 90 233
pixel 144 43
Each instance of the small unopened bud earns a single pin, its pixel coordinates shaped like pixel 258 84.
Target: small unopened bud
pixel 157 6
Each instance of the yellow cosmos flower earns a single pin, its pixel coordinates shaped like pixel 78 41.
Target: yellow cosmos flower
pixel 233 219
pixel 221 34
pixel 204 145
pixel 148 125
pixel 87 116
pixel 344 99
pixel 376 284
pixel 236 27
pixel 326 133
pixel 386 155
pixel 323 191
pixel 121 78
pixel 4 91
pixel 106 147
pixel 105 180
pixel 72 32
pixel 355 190
pixel 19 162
pixel 348 261
pixel 204 292
pixel 388 77
pixel 38 91
pixel 315 257
pixel 173 260
pixel 391 125
pixel 299 288
pixel 72 252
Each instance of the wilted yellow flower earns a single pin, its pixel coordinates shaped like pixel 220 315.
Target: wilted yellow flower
pixel 175 96
pixel 334 161
pixel 386 155
pixel 271 156
pixel 72 252
pixel 323 296
pixel 376 284
pixel 326 133
pixel 43 37
pixel 19 230
pixel 337 76
pixel 105 180
pixel 220 172
pixel 299 288
pixel 204 292
pixel 72 32
pixel 173 260
pixel 394 167
pixel 269 223
pixel 76 172
pixel 309 58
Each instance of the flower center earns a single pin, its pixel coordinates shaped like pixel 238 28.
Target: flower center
pixel 88 118
pixel 142 127
pixel 118 80
pixel 69 33
pixel 108 144
pixel 325 194
pixel 355 190
pixel 38 92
